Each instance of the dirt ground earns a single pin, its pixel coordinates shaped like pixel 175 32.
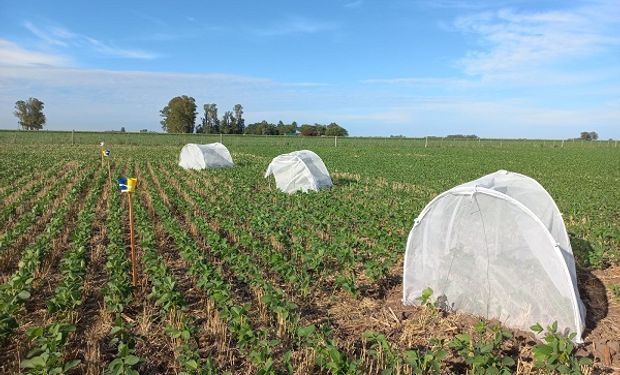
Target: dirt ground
pixel 413 326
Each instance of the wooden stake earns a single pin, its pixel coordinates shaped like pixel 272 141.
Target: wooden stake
pixel 133 253
pixel 109 173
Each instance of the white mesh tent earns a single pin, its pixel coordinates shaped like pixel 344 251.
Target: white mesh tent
pixel 496 247
pixel 212 155
pixel 299 170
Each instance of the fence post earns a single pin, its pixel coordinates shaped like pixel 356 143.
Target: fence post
pixel 562 143
pixel 72 137
pixel 426 142
pixel 335 141
pixel 221 138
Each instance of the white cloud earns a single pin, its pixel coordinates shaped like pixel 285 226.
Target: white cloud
pixel 424 82
pixel 353 4
pixel 14 55
pixel 515 41
pixel 296 25
pixel 58 37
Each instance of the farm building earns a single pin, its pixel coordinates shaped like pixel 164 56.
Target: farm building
pixel 212 155
pixel 299 171
pixel 496 247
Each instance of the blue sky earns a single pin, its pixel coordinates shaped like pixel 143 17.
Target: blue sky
pixel 538 69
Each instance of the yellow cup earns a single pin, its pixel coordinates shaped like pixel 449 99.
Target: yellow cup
pixel 131 184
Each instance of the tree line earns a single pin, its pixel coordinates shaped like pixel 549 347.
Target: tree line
pixel 179 116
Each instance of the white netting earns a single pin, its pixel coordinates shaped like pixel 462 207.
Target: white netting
pixel 299 170
pixel 212 155
pixel 486 253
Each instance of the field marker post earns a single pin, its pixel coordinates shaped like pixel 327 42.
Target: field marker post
pixel 72 137
pixel 128 185
pixel 426 142
pixel 562 143
pixel 102 152
pixel 107 155
pixel 441 143
pixel 221 138
pixel 335 141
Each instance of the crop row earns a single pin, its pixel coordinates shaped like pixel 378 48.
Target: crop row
pixel 166 296
pixel 286 329
pixel 24 222
pixel 47 355
pixel 17 289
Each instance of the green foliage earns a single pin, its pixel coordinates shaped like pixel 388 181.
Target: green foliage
pixel 30 114
pixel 589 136
pixel 125 362
pixel 426 361
pixel 261 128
pixel 556 353
pixel 179 116
pixel 483 355
pixel 425 298
pixel 46 358
pixel 334 129
pixel 210 122
pixel 615 291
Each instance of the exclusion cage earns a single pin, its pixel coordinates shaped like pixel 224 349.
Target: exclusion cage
pixel 299 170
pixel 212 155
pixel 496 247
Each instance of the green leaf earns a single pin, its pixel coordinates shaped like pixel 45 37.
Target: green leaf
pixel 36 362
pixel 23 295
pixel 71 364
pixel 132 360
pixel 537 328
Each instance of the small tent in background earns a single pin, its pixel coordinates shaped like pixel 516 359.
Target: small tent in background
pixel 299 170
pixel 496 247
pixel 212 155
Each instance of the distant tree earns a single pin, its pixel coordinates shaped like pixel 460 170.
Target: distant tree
pixel 284 129
pixel 179 116
pixel 320 129
pixel 210 123
pixel 238 121
pixel 122 129
pixel 459 136
pixel 261 128
pixel 226 125
pixel 334 129
pixel 589 136
pixel 309 130
pixel 30 114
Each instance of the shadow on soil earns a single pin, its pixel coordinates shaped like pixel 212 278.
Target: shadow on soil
pixel 343 181
pixel 591 289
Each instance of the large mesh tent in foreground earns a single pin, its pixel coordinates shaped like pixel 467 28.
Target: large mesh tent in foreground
pixel 299 170
pixel 212 155
pixel 496 247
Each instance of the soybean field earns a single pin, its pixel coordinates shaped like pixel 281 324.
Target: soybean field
pixel 236 277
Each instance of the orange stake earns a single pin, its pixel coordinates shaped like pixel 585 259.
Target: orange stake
pixel 109 173
pixel 133 253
